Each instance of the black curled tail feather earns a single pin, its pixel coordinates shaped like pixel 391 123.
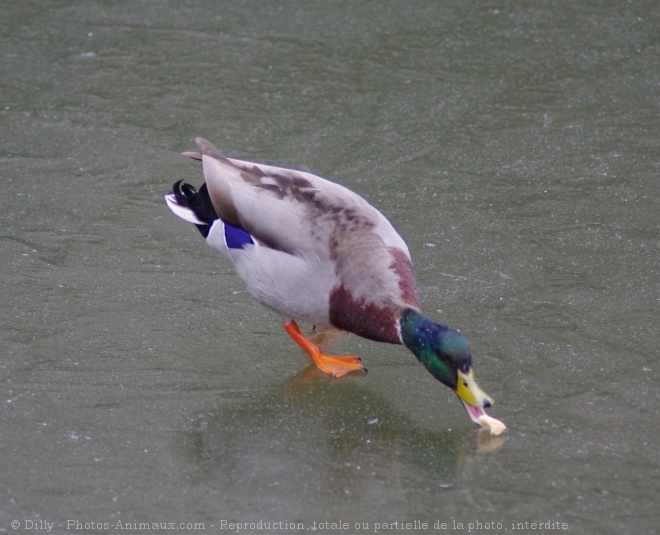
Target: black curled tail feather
pixel 198 202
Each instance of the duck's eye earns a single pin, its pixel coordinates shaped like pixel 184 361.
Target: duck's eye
pixel 465 384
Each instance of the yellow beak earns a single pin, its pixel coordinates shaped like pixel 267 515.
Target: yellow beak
pixel 468 390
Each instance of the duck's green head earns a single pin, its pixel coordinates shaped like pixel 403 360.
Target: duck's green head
pixel 446 354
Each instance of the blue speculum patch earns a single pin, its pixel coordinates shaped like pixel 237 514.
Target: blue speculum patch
pixel 236 237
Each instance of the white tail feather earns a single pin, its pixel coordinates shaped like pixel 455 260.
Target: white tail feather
pixel 183 212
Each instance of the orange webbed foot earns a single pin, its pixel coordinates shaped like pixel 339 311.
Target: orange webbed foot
pixel 335 365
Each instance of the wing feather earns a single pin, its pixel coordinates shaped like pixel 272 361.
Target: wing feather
pixel 286 209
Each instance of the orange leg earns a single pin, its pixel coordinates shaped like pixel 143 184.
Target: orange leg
pixel 337 366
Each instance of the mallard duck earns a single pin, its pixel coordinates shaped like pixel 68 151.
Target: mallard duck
pixel 314 251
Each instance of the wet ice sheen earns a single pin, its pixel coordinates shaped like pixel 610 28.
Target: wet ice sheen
pixel 140 383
